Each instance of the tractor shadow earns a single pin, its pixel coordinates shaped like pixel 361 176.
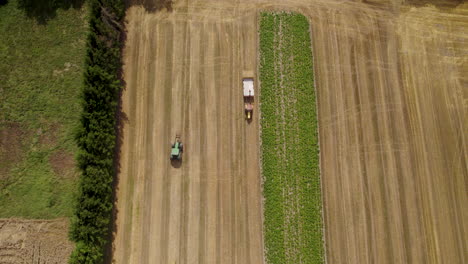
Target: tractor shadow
pixel 176 163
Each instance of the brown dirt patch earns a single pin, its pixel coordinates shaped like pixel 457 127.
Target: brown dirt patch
pixel 62 163
pixel 12 139
pixel 34 241
pixel 48 137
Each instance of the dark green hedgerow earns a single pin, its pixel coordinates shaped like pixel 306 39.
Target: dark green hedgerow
pixel 290 150
pixel 96 137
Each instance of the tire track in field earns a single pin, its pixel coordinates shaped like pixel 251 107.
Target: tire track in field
pixel 185 182
pixel 140 135
pixel 129 129
pixel 149 149
pixel 230 181
pixel 222 214
pixel 362 169
pixel 166 177
pixel 224 196
pixel 381 125
pixel 241 141
pixel 218 216
pixel 238 149
pixel 203 159
pixel 179 98
pixel 398 131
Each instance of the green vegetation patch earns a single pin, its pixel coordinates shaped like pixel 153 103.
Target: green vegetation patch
pixel 290 149
pixel 41 76
pixel 97 133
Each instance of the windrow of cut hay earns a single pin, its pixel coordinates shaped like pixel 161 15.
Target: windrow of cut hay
pixel 290 149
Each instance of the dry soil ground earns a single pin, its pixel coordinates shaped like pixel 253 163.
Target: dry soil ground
pixel 391 80
pixel 184 72
pixel 34 241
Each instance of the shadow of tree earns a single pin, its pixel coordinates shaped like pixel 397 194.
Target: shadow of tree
pixel 441 4
pixel 44 10
pixel 122 120
pixel 3 2
pixel 152 5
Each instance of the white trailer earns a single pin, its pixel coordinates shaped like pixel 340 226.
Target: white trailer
pixel 248 87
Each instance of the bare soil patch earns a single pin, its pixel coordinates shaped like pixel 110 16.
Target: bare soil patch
pixel 48 137
pixel 12 139
pixel 34 241
pixel 63 163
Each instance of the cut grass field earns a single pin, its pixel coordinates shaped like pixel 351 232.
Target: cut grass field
pixel 290 150
pixel 41 69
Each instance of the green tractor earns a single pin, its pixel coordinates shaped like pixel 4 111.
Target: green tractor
pixel 177 149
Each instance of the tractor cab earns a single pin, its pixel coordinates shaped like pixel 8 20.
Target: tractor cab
pixel 177 148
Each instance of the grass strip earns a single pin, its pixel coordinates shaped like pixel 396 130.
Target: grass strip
pixel 41 77
pixel 290 150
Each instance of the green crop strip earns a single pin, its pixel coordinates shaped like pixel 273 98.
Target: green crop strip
pixel 290 150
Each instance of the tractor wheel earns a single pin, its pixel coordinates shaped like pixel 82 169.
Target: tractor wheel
pixel 181 147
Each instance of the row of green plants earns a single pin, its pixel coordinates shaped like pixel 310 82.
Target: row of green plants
pixel 290 150
pixel 96 136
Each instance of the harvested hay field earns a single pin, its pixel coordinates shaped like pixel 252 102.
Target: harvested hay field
pixel 393 121
pixel 183 71
pixel 391 93
pixel 34 241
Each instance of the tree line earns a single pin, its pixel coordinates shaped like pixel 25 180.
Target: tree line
pixel 97 132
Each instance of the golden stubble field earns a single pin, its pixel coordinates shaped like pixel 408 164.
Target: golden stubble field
pixel 391 79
